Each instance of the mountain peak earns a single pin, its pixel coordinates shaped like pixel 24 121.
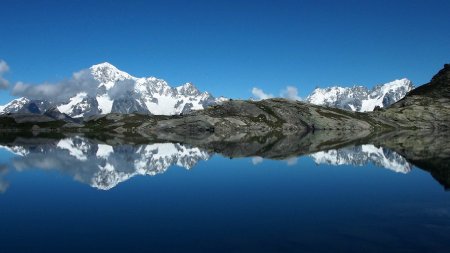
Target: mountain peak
pixel 399 82
pixel 14 105
pixel 108 73
pixel 188 85
pixel 188 89
pixel 104 65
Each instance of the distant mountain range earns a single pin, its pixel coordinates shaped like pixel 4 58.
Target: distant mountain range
pixel 116 91
pixel 119 92
pixel 360 98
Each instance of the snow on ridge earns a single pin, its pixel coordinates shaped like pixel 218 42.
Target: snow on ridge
pixel 322 95
pixel 360 98
pixel 67 108
pixel 104 151
pixel 105 103
pixel 153 94
pixel 14 105
pixel 16 150
pixel 76 151
pixel 107 74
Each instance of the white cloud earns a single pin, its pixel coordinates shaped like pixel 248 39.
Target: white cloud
pixel 291 93
pixel 121 89
pixel 3 69
pixel 81 81
pixel 259 94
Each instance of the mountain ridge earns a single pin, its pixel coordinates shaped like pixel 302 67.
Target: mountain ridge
pixel 116 91
pixel 360 98
pixel 106 89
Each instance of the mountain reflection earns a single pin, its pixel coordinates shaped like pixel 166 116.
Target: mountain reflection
pixel 104 166
pixel 360 155
pixel 363 155
pixel 101 165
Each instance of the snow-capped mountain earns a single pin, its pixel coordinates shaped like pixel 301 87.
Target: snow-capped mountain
pixel 108 89
pixel 25 105
pixel 104 89
pixel 359 98
pixel 363 155
pixel 14 106
pixel 101 165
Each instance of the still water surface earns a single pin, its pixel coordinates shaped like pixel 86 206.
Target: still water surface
pixel 81 195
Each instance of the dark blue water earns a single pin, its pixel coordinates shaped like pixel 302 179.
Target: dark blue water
pixel 222 205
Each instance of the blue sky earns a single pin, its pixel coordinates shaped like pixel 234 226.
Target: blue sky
pixel 228 47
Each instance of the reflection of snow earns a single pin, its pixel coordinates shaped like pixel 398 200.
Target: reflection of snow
pixel 17 150
pixel 392 160
pixel 362 155
pixel 104 151
pixel 101 165
pixel 75 150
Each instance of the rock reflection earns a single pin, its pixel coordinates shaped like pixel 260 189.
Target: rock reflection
pixel 104 163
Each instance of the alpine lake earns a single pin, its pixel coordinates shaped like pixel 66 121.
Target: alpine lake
pixel 302 193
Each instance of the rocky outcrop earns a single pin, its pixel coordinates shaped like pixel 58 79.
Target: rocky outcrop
pixel 426 149
pixel 427 106
pixel 264 116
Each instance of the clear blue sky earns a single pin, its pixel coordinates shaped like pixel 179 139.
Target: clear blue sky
pixel 228 47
